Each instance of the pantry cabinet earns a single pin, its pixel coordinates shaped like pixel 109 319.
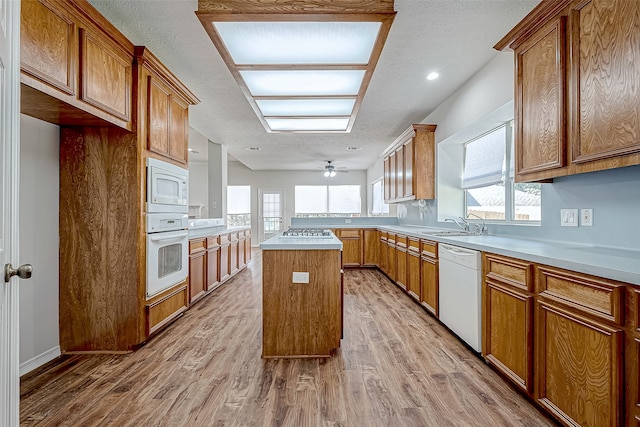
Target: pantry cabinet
pixel 508 318
pixel 76 68
pixel 577 88
pixel 409 165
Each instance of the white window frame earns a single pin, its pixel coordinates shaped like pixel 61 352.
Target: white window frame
pixel 240 213
pixel 385 206
pixel 327 213
pixel 509 188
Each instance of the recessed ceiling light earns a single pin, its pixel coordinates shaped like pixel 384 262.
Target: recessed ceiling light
pixel 432 76
pixel 252 148
pixel 354 148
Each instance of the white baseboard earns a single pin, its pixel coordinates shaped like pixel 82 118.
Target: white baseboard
pixel 39 360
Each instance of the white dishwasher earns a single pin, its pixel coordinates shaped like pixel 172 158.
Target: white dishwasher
pixel 460 293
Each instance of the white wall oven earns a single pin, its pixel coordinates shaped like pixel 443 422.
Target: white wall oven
pixel 167 187
pixel 167 251
pixel 167 223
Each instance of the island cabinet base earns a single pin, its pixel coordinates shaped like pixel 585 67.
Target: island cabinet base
pixel 301 319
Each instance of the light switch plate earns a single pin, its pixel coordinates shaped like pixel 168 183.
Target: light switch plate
pixel 300 277
pixel 586 217
pixel 568 217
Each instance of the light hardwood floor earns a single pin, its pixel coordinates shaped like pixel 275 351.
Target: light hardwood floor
pixel 397 366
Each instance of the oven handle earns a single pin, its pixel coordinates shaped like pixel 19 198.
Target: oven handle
pixel 160 237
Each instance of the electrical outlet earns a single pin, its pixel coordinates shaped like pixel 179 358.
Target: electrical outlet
pixel 347 221
pixel 586 217
pixel 568 217
pixel 300 277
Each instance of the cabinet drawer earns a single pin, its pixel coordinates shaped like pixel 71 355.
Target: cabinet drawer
pixel 401 241
pixel 353 234
pixel 161 312
pixel 197 245
pixel 429 248
pixel 513 272
pixel 391 238
pixel 224 239
pixel 213 241
pixel 383 236
pixel 592 295
pixel 234 236
pixel 414 244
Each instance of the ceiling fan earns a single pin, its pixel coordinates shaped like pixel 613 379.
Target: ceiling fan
pixel 330 170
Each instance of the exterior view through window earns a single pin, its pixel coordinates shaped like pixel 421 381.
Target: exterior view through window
pixel 327 201
pixel 487 179
pixel 238 205
pixel 378 206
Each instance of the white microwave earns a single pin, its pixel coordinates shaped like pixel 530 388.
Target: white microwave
pixel 167 187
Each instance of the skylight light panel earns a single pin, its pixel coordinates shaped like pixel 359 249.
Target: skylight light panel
pixel 307 124
pixel 299 42
pixel 306 107
pixel 303 82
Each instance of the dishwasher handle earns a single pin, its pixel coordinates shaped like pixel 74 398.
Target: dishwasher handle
pixel 457 250
pixel 463 256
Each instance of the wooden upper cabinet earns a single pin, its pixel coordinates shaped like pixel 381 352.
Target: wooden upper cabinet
pixel 76 66
pixel 164 111
pixel 48 45
pixel 540 100
pixel 577 87
pixel 105 75
pixel 387 178
pixel 413 156
pixel 606 77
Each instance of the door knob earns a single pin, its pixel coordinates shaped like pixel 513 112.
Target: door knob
pixel 23 272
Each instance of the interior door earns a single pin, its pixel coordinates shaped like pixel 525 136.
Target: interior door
pixel 271 215
pixel 9 162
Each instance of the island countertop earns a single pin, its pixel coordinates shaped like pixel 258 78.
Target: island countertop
pixel 294 243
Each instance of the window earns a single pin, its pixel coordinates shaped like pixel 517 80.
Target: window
pixel 238 205
pixel 378 206
pixel 490 192
pixel 327 200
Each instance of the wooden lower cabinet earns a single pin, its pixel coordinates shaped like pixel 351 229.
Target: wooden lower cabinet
pixel 429 276
pixel 382 252
pixel 166 307
pixel 401 261
pixel 225 251
pixel 247 247
pixel 197 271
pixel 352 249
pixel 233 254
pixel 213 262
pixel 391 257
pixel 508 318
pixel 413 273
pixel 371 248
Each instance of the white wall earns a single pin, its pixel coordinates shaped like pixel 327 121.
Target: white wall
pixel 199 186
pixel 239 174
pixel 39 202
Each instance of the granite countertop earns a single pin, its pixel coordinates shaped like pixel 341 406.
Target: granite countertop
pixel 601 261
pixel 301 243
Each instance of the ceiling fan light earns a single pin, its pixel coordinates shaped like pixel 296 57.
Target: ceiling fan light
pixel 326 174
pixel 332 174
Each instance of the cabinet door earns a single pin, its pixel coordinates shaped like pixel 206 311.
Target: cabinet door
pixel 48 45
pixel 233 257
pixel 508 332
pixel 540 101
pixel 213 268
pixel 224 262
pixel 408 168
pixel 413 274
pixel 392 177
pixel 105 75
pixel 429 284
pixel 401 268
pixel 399 157
pixel 351 247
pixel 579 367
pixel 158 102
pixel 371 251
pixel 197 276
pixel 247 248
pixel 179 130
pixel 382 254
pixel 606 75
pixel 387 179
pixel 391 260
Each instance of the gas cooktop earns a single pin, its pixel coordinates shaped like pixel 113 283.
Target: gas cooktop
pixel 315 233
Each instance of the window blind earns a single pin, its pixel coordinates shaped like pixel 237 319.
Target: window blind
pixel 484 159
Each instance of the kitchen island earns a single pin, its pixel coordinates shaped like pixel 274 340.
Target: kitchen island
pixel 301 296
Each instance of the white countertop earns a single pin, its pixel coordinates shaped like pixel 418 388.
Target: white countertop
pixel 302 243
pixel 195 233
pixel 607 262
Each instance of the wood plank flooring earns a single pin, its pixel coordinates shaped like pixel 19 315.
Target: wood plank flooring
pixel 397 366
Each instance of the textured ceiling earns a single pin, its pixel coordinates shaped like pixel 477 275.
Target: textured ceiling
pixel 453 37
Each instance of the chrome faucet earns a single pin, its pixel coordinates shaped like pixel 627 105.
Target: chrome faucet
pixel 480 230
pixel 464 225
